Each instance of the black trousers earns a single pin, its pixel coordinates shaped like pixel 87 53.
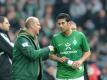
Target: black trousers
pixel 85 71
pixel 5 68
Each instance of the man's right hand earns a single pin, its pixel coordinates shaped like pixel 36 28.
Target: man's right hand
pixel 62 59
pixel 51 48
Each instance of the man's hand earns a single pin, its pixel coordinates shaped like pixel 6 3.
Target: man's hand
pixel 62 59
pixel 51 48
pixel 76 64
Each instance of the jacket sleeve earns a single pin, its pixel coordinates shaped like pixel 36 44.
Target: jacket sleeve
pixel 28 50
pixel 5 47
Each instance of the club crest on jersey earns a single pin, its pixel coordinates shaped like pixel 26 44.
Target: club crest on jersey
pixel 68 46
pixel 74 42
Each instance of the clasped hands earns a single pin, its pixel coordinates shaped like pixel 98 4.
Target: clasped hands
pixel 74 64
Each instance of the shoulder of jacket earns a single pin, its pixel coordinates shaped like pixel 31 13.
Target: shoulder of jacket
pixel 22 37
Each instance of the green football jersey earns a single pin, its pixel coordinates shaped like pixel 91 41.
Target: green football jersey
pixel 73 47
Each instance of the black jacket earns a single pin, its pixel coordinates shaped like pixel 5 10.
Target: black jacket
pixel 5 56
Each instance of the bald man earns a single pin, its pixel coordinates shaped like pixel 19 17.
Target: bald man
pixel 27 54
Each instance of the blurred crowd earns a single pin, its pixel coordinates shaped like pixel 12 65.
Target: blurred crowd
pixel 89 15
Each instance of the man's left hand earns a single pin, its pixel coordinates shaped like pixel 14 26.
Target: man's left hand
pixel 76 64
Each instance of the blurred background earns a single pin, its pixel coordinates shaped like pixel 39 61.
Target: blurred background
pixel 89 15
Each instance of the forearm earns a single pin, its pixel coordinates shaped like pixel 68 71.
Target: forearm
pixel 33 54
pixel 85 56
pixel 63 60
pixel 59 59
pixel 54 57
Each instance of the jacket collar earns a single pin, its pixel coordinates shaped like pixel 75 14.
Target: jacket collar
pixel 24 32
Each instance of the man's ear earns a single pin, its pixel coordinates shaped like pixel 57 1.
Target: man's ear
pixel 31 25
pixel 70 23
pixel 73 23
pixel 0 25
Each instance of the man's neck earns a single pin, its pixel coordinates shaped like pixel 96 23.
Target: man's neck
pixel 31 32
pixel 3 31
pixel 67 33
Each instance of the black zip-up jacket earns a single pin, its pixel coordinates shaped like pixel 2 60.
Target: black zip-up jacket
pixel 5 56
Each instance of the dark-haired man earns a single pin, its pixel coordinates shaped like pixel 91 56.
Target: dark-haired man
pixel 5 50
pixel 71 50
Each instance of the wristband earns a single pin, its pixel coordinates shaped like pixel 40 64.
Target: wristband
pixel 70 62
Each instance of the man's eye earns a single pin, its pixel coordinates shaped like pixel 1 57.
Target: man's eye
pixel 63 23
pixel 59 23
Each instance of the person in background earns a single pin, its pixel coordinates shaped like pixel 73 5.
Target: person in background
pixel 5 50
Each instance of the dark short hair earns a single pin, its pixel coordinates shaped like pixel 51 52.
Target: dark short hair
pixel 1 19
pixel 64 16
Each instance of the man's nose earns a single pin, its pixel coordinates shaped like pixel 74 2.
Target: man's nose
pixel 60 26
pixel 39 27
pixel 9 25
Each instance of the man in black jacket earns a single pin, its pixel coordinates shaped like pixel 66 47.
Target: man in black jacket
pixel 5 50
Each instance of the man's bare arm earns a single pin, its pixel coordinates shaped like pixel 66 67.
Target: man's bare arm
pixel 56 58
pixel 76 64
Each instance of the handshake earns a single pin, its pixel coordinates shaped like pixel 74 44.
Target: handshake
pixel 51 48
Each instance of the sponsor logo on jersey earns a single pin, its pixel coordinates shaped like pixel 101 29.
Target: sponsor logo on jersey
pixel 67 45
pixel 68 52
